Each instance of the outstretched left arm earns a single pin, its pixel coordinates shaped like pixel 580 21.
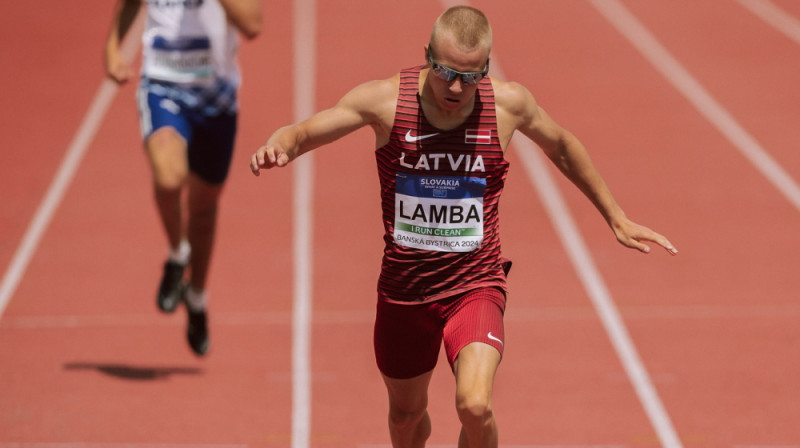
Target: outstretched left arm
pixel 518 106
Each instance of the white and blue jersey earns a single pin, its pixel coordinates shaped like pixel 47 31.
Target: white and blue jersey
pixel 189 42
pixel 190 77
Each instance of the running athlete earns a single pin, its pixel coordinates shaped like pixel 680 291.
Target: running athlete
pixel 441 132
pixel 188 113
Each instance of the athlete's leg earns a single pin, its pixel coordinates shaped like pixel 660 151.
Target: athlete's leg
pixel 409 422
pixel 209 158
pixel 166 138
pixel 166 151
pixel 202 223
pixel 473 339
pixel 202 220
pixel 475 370
pixel 407 341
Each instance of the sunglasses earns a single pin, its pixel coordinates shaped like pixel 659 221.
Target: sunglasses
pixel 447 74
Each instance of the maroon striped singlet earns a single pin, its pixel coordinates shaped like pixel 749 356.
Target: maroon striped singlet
pixel 440 192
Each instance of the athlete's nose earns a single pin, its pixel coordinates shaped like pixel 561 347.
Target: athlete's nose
pixel 455 86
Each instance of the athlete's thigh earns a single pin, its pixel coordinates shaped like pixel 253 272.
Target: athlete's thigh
pixel 407 338
pixel 474 370
pixel 211 146
pixel 477 316
pixel 166 151
pixel 166 131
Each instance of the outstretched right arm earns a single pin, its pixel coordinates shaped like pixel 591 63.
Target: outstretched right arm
pixel 369 104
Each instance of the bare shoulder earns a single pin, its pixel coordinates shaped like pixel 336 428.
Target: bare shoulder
pixel 375 99
pixel 372 93
pixel 513 98
pixel 516 108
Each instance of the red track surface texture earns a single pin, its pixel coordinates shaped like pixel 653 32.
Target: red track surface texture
pixel 86 360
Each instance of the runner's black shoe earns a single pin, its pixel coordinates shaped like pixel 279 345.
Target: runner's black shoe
pixel 170 290
pixel 197 331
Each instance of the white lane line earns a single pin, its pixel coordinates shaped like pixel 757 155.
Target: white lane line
pixel 652 50
pixel 69 165
pixel 304 94
pixel 596 289
pixel 775 16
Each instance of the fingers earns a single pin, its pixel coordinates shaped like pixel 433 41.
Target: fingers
pixel 643 248
pixel 635 237
pixel 267 157
pixel 658 239
pixel 662 241
pixel 668 246
pixel 258 161
pixel 255 165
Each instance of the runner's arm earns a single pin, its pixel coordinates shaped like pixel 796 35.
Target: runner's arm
pixel 369 104
pixel 573 160
pixel 245 16
pixel 117 68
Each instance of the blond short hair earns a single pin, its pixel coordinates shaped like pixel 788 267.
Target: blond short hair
pixel 469 27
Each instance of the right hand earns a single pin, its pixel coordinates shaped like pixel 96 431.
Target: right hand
pixel 266 157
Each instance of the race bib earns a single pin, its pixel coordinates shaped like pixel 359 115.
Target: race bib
pixel 180 60
pixel 440 213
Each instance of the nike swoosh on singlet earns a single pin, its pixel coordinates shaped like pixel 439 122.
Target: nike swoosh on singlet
pixel 415 138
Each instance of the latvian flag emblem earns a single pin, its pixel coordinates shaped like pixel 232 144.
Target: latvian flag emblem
pixel 478 136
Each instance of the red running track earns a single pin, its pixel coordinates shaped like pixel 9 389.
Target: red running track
pixel 87 360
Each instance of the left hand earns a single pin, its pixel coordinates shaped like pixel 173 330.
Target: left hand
pixel 632 235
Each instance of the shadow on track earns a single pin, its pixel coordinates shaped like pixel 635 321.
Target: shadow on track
pixel 135 373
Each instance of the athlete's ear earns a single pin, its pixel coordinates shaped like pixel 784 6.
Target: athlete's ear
pixel 427 51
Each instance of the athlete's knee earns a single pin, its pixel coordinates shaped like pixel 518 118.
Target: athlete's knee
pixel 167 153
pixel 206 208
pixel 168 177
pixel 167 193
pixel 406 419
pixel 474 410
pixel 203 197
pixel 406 408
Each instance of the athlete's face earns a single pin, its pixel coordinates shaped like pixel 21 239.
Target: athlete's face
pixel 454 73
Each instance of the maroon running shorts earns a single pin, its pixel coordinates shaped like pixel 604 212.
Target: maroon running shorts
pixel 408 335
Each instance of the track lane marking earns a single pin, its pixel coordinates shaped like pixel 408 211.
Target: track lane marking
pixel 596 289
pixel 303 97
pixel 66 172
pixel 775 16
pixel 592 281
pixel 680 78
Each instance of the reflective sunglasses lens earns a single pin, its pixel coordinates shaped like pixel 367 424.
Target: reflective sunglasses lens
pixel 444 73
pixel 448 74
pixel 471 79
